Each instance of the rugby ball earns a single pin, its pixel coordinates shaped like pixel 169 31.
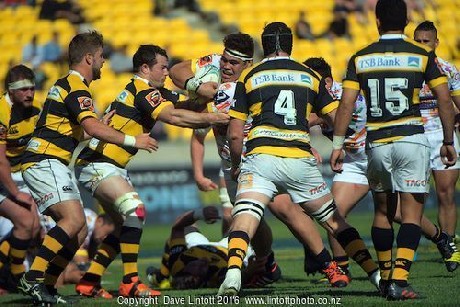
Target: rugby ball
pixel 205 73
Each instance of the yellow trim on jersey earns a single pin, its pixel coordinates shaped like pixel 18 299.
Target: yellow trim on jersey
pixel 308 110
pixel 42 146
pixel 455 93
pixel 238 115
pixel 193 64
pixel 330 107
pixel 112 151
pixel 280 134
pixel 56 123
pixel 414 120
pixel 209 107
pixel 351 85
pixel 84 114
pixel 435 82
pixel 255 109
pixel 416 96
pixel 287 152
pixel 158 109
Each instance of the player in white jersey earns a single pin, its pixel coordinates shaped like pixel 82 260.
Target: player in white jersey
pixel 445 179
pixel 230 65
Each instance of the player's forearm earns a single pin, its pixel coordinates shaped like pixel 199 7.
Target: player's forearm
pixel 197 155
pixel 344 112
pixel 95 128
pixel 235 138
pixel 189 119
pixel 5 176
pixel 180 73
pixel 446 111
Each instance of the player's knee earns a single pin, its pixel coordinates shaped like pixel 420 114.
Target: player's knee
pixel 249 206
pixel 132 209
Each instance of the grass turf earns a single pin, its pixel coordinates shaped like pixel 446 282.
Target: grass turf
pixel 428 276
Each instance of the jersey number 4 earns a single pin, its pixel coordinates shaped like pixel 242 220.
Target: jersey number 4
pixel 395 101
pixel 285 105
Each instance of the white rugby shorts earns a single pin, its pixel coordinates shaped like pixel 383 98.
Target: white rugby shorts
pixel 400 166
pixel 51 182
pixel 271 175
pixel 354 169
pixel 17 178
pixel 435 139
pixel 92 174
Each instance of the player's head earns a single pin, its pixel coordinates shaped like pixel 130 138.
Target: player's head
pixel 151 62
pixel 391 15
pixel 237 56
pixel 20 85
pixel 322 67
pixel 276 38
pixel 102 228
pixel 192 275
pixel 427 34
pixel 86 49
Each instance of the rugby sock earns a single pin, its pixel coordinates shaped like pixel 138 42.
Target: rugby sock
pixel 18 253
pixel 407 241
pixel 60 262
pixel 324 257
pixel 106 253
pixel 54 240
pixel 129 247
pixel 356 249
pixel 383 243
pixel 4 252
pixel 164 268
pixel 238 242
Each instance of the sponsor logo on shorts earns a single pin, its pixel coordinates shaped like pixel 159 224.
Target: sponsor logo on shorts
pixel 67 188
pixel 319 189
pixel 415 183
pixel 44 199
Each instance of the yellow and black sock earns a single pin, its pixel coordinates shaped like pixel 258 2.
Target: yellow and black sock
pixel 60 262
pixel 238 242
pixel 407 241
pixel 383 244
pixel 18 253
pixel 106 253
pixel 54 240
pixel 356 249
pixel 4 252
pixel 129 247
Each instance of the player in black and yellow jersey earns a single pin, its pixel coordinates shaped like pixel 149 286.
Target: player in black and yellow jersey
pixel 190 260
pixel 390 72
pixel 18 115
pixel 67 113
pixel 279 94
pixel 101 167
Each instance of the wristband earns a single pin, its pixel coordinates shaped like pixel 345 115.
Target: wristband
pixel 192 84
pixel 448 143
pixel 129 141
pixel 337 141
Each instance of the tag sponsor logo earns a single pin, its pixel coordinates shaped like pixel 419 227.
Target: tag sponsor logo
pixel 376 62
pixel 86 103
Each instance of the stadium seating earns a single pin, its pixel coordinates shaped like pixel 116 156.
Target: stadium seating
pixel 131 22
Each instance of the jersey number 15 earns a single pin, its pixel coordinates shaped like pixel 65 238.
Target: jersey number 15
pixel 395 101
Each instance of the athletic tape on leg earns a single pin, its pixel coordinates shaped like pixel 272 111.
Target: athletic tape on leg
pixel 249 206
pixel 325 212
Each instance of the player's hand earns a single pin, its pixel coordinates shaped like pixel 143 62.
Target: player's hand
pixel 337 160
pixel 218 118
pixel 210 214
pixel 207 90
pixel 317 156
pixel 146 142
pixel 205 184
pixel 107 118
pixel 449 155
pixel 24 199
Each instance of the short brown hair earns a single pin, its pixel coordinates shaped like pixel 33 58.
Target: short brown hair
pixel 84 43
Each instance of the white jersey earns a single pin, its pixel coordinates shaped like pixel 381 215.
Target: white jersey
pixel 221 104
pixel 356 142
pixel 428 103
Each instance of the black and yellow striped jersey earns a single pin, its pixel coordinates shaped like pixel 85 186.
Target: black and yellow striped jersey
pixel 16 126
pixel 216 257
pixel 279 94
pixel 58 130
pixel 390 72
pixel 137 108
